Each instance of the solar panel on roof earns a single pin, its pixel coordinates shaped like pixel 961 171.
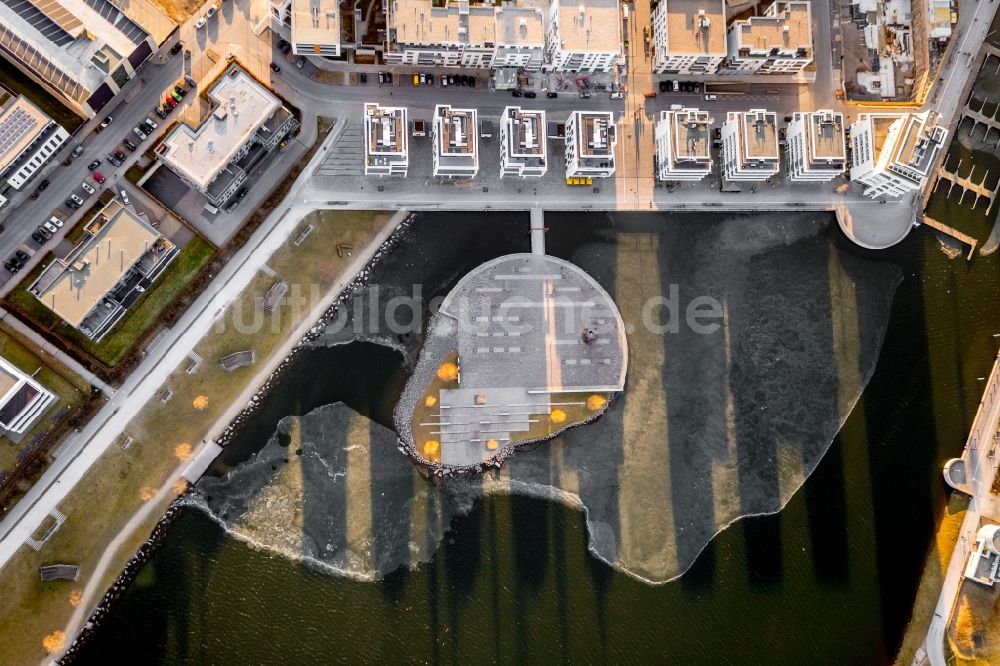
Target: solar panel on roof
pixel 59 15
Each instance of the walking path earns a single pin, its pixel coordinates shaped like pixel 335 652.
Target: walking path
pixel 144 383
pixel 47 347
pixel 96 585
pixel 980 467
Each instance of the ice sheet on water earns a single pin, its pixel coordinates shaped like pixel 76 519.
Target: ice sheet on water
pixel 712 426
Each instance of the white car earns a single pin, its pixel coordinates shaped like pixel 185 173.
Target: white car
pixel 56 221
pixel 50 228
pixel 200 23
pixel 150 124
pixel 77 200
pixel 211 11
pixel 87 188
pixel 617 94
pixel 125 198
pixel 139 133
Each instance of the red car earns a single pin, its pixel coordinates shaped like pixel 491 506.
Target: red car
pixel 99 178
pixel 172 102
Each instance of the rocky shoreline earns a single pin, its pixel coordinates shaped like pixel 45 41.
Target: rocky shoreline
pixel 148 547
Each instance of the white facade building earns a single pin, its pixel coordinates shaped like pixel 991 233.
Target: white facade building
pixel 456 142
pixel 750 145
pixel 464 34
pixel 816 149
pixel 583 36
pixel 216 158
pixel 386 148
pixel 779 42
pixel 689 36
pixel 591 138
pixel 28 138
pixel 22 399
pixel 892 154
pixel 522 143
pixel 683 145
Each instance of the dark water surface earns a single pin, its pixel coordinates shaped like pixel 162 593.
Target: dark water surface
pixel 830 579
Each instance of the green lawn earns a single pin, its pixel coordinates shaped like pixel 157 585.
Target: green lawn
pixel 15 80
pixel 113 347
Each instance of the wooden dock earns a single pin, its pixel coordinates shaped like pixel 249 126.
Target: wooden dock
pixel 967 185
pixel 954 233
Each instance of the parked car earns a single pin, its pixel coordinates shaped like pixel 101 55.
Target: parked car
pixel 284 46
pixel 119 155
pixel 585 95
pixel 125 199
pixel 99 177
pixel 516 93
pixel 77 151
pixel 416 79
pixel 617 94
pixel 363 78
pixel 87 188
pixel 430 79
pixel 104 123
pixel 48 226
pixel 56 221
pixel 180 90
pixel 38 237
pixel 381 78
pixel 76 199
pixel 72 205
pixel 42 185
pixel 212 9
pixel 174 96
pixel 44 233
pixel 22 256
pixel 423 78
pixel 300 62
pixel 275 68
pixel 34 195
pixel 241 193
pixel 114 161
pixel 139 133
pixel 709 98
pixel 93 165
pixel 129 146
pixel 176 47
pixel 148 122
pixel 552 95
pixel 530 94
pixel 388 77
pixel 171 102
pixel 444 81
pixel 160 112
pixel 199 24
pixel 11 268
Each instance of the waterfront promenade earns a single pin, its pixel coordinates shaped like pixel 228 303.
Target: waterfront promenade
pixel 980 462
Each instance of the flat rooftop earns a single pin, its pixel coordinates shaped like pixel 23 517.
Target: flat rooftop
pixel 825 132
pixel 316 21
pixel 785 26
pixel 917 143
pixel 590 25
pixel 8 381
pixel 21 122
pixel 758 134
pixel 457 133
pixel 696 27
pixel 386 129
pixel 522 24
pixel 240 107
pixel 116 240
pixel 526 132
pixel 691 134
pixel 595 133
pixel 420 22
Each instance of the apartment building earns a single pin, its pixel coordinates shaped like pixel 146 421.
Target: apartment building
pixel 750 145
pixel 22 399
pixel 386 149
pixel 522 143
pixel 591 137
pixel 28 138
pixel 683 145
pixel 778 42
pixel 455 142
pixel 463 34
pixel 689 36
pixel 245 124
pixel 81 51
pixel 816 149
pixel 118 258
pixel 583 36
pixel 893 154
pixel 315 27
